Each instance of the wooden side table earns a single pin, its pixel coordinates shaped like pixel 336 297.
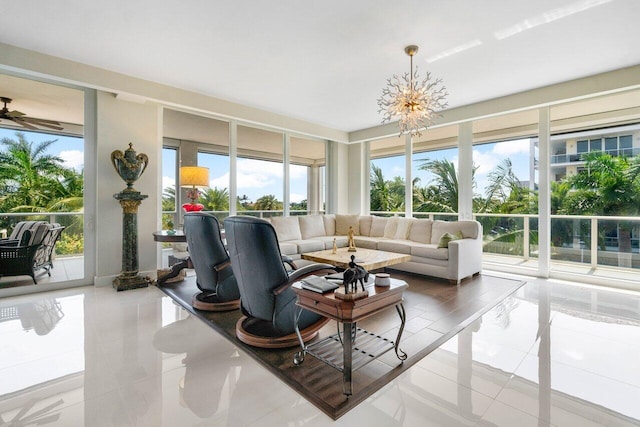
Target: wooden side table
pixel 357 345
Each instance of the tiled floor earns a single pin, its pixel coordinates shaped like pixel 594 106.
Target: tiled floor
pixel 552 354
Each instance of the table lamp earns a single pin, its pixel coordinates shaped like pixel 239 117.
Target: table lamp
pixel 193 176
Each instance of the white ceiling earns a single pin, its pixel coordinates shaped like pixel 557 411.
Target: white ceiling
pixel 327 61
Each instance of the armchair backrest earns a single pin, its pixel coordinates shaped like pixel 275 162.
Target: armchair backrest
pixel 21 227
pixel 34 235
pixel 256 262
pixel 45 252
pixel 206 248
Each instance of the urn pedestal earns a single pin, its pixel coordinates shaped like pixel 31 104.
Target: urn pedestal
pixel 129 277
pixel 130 167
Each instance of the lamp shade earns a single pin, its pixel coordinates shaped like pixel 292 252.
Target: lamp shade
pixel 194 176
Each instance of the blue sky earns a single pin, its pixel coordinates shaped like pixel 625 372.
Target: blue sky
pixel 70 149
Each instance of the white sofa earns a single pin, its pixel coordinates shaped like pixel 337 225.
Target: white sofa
pixel 419 238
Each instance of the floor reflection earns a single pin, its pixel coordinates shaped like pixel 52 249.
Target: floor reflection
pixel 208 371
pixel 551 354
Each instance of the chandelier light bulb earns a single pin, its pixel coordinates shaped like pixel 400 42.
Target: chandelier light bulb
pixel 413 103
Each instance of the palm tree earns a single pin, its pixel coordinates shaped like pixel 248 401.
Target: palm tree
pixel 444 195
pixel 215 199
pixel 169 198
pixel 379 190
pixel 29 176
pixel 268 203
pixel 385 195
pixel 506 194
pixel 609 185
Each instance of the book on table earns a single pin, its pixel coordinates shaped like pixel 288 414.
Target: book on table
pixel 318 284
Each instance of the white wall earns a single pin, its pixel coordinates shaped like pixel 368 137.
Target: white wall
pixel 120 122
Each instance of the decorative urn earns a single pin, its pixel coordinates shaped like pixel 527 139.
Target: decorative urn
pixel 129 165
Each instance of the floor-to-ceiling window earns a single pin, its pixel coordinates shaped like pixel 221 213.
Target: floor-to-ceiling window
pixel 506 183
pixel 307 160
pixel 387 176
pixel 260 172
pixel 595 171
pixel 435 186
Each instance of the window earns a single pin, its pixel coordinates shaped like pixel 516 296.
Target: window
pixel 306 176
pixel 260 178
pixel 387 175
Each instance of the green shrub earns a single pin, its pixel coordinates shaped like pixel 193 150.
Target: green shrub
pixel 70 244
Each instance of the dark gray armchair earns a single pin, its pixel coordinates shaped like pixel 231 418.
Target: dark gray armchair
pixel 210 261
pixel 267 300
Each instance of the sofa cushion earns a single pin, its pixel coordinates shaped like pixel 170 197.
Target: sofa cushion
pixel 310 245
pixel 365 225
pixel 420 230
pixel 329 224
pixel 429 251
pixel 397 246
pixel 341 241
pixel 287 227
pixel 402 231
pixel 469 229
pixel 366 242
pixel 440 227
pixel 311 226
pixel 378 223
pixel 448 237
pixel 287 248
pixel 343 222
pixel 391 228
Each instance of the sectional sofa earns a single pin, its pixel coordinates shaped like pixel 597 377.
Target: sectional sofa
pixel 450 250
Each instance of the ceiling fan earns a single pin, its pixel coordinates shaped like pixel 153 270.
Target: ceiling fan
pixel 24 121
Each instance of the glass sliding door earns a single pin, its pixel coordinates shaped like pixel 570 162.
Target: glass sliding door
pixel 43 174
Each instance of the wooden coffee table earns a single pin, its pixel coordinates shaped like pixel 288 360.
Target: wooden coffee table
pixel 370 259
pixel 357 346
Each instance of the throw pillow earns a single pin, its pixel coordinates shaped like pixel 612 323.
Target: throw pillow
pixel 402 232
pixel 378 223
pixel 344 221
pixel 448 237
pixel 311 226
pixel 391 228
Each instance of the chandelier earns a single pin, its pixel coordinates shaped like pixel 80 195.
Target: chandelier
pixel 414 103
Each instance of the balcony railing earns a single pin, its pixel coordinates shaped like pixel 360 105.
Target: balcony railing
pixel 579 157
pixel 595 241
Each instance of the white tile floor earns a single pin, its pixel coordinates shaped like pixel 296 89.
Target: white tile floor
pixel 552 354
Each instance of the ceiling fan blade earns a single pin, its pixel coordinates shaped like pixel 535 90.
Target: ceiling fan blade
pixel 51 124
pixel 24 124
pixel 15 113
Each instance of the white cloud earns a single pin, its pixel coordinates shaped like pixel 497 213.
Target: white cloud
pixel 257 174
pixel 509 148
pixel 486 162
pixel 297 198
pixel 73 159
pixel 297 172
pixel 168 182
pixel 220 182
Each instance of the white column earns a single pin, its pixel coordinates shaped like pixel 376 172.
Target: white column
pixel 544 201
pixel 366 148
pixel 233 168
pixel 465 171
pixel 408 177
pixel 286 142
